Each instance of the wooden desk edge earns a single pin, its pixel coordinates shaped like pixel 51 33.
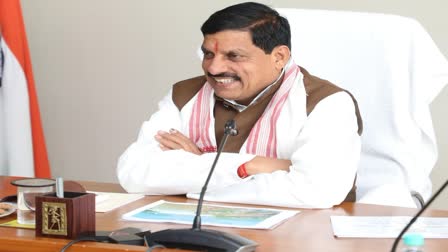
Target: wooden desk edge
pixel 12 244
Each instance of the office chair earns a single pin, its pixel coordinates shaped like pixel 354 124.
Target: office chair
pixel 394 69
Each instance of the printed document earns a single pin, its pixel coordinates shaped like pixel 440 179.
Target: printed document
pixel 387 226
pixel 213 215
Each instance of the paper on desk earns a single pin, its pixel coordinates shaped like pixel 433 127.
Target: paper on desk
pixel 15 224
pixel 107 201
pixel 387 226
pixel 213 215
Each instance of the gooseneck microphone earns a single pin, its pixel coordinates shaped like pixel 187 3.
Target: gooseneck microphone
pixel 229 129
pixel 204 239
pixel 397 240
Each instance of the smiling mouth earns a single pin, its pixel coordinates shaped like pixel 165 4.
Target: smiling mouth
pixel 224 78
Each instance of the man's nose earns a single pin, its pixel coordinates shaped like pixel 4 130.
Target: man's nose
pixel 215 66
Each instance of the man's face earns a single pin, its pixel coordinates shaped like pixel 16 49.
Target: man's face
pixel 235 67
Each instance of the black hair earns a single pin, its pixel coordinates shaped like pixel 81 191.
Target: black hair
pixel 267 28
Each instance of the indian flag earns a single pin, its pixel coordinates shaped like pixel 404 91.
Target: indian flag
pixel 22 143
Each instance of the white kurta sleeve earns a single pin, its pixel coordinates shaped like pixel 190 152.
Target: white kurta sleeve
pixel 145 168
pixel 324 163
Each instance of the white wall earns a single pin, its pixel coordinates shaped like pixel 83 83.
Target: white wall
pixel 102 65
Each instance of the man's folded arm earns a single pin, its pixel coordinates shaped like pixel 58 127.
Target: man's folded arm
pixel 145 168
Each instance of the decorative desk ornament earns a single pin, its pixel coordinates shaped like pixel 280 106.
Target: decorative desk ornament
pixel 66 216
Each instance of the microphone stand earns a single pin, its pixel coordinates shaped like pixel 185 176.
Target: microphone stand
pixel 394 246
pixel 229 129
pixel 197 238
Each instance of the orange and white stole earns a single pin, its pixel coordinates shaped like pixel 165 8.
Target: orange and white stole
pixel 262 139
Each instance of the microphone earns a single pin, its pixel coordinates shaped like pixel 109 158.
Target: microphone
pixel 197 238
pixel 394 246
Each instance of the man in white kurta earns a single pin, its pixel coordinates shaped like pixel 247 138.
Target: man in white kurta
pixel 296 155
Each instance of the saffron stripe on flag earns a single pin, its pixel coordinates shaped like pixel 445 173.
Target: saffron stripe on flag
pixel 14 36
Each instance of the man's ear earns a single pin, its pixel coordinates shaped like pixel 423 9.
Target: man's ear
pixel 281 55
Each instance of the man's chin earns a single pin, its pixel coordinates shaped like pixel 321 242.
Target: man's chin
pixel 224 96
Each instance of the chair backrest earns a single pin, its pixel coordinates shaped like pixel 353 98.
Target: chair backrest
pixel 394 69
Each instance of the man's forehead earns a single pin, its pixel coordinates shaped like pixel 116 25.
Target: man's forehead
pixel 227 41
pixel 222 49
pixel 210 45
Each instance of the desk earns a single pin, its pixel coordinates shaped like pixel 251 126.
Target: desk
pixel 310 230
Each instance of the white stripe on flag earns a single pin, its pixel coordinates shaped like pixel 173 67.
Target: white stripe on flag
pixel 16 151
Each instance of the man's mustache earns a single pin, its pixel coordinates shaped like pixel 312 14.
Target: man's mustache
pixel 224 75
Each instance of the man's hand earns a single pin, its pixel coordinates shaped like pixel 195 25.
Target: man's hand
pixel 174 140
pixel 266 165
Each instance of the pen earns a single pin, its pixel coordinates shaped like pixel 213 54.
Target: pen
pixel 59 187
